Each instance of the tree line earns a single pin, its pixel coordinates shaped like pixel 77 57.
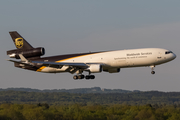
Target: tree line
pixel 64 98
pixel 84 112
pixel 76 90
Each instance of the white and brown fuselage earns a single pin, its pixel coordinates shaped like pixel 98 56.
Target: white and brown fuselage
pixel 95 62
pixel 111 60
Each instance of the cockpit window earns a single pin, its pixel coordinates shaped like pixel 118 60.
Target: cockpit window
pixel 168 52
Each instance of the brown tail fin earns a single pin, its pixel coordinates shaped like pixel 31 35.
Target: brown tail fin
pixel 19 41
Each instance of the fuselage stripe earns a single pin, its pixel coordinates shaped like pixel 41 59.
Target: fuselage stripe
pixel 76 57
pixel 41 68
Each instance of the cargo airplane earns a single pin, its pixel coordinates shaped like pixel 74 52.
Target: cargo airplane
pixel 92 62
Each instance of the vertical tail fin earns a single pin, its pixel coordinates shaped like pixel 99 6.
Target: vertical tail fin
pixel 19 41
pixel 24 49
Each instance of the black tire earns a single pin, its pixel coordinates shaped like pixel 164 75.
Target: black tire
pixel 79 77
pixel 75 77
pixel 82 76
pixel 153 72
pixel 92 76
pixel 87 77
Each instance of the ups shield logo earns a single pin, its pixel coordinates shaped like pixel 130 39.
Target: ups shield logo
pixel 19 42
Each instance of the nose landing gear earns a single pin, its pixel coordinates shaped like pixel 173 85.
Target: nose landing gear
pixel 152 72
pixel 152 69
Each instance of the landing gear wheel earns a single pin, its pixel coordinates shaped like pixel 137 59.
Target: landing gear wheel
pixel 92 76
pixel 75 77
pixel 152 69
pixel 81 77
pixel 87 77
pixel 152 72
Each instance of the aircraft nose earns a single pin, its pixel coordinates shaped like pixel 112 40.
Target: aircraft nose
pixel 174 56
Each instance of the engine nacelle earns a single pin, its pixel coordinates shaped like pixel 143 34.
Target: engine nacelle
pixel 35 52
pixel 113 70
pixel 95 68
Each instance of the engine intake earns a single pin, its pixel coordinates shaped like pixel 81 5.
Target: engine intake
pixel 35 52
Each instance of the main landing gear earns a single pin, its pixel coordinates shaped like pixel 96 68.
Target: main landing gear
pixel 75 77
pixel 81 76
pixel 152 69
pixel 87 77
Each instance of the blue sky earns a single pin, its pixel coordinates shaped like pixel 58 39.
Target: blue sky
pixel 77 26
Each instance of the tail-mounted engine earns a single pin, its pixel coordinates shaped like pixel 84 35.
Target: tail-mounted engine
pixel 29 53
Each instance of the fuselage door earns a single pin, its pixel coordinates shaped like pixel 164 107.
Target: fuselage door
pixel 159 57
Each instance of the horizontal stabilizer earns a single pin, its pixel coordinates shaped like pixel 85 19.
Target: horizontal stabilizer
pixel 20 62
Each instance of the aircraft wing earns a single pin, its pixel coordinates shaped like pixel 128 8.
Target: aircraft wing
pixel 60 64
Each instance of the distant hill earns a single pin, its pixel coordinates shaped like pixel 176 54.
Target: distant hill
pixel 77 90
pixel 88 96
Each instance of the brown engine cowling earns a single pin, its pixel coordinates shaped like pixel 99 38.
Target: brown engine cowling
pixel 35 52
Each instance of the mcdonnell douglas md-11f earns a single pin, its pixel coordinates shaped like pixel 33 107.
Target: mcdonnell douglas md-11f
pixel 92 62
